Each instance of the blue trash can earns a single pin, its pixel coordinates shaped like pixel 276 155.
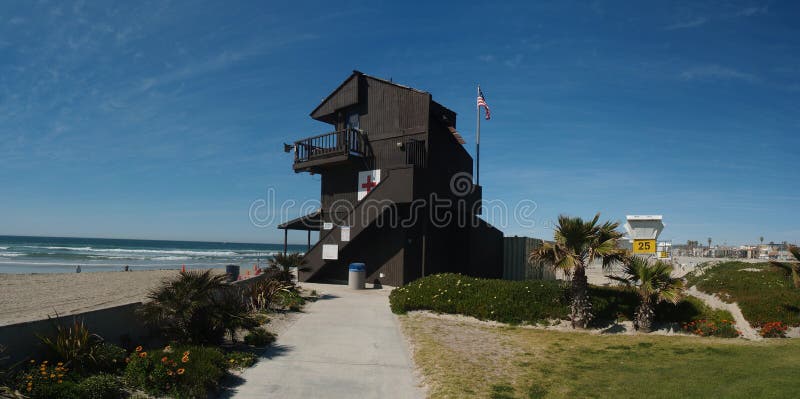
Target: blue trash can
pixel 357 276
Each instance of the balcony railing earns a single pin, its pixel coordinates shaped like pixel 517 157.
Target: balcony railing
pixel 343 142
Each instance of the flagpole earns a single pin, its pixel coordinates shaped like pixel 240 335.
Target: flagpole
pixel 478 140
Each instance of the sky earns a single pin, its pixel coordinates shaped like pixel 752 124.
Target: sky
pixel 166 119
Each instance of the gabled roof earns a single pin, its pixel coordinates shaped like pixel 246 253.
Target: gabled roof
pixel 347 93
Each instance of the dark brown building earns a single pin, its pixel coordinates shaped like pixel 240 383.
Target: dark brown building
pixel 397 190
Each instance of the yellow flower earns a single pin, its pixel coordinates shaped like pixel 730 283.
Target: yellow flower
pixel 59 381
pixel 143 354
pixel 33 361
pixel 169 372
pixel 232 361
pixel 60 364
pixel 52 376
pixel 186 353
pixel 181 371
pixel 185 359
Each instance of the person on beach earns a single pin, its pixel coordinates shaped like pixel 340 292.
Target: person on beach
pixel 127 269
pixel 78 269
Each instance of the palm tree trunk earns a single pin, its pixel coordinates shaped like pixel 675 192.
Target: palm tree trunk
pixel 643 319
pixel 581 308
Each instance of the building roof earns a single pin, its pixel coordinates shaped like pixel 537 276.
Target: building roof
pixel 344 85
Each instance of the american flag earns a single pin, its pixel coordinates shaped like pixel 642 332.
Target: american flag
pixel 482 103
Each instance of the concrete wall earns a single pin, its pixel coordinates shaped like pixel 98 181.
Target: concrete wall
pixel 117 325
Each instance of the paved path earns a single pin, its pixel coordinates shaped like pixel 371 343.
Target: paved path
pixel 346 345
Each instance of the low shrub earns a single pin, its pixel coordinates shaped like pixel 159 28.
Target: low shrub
pixel 72 344
pixel 291 300
pixel 259 337
pixel 775 329
pixel 712 328
pixel 763 292
pixel 47 380
pixel 505 301
pixel 108 358
pixel 531 301
pixel 180 372
pixel 240 360
pixel 101 386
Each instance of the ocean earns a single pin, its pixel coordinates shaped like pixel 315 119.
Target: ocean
pixel 63 254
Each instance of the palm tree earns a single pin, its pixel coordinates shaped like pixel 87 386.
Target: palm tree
pixel 196 307
pixel 576 244
pixel 761 239
pixel 286 262
pixel 653 283
pixel 793 268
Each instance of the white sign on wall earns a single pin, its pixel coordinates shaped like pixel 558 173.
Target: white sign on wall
pixel 330 251
pixel 345 233
pixel 367 181
pixel 327 226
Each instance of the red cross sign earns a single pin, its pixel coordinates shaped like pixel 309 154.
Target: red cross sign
pixel 367 181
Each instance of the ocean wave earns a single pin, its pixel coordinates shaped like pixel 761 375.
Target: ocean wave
pixel 172 258
pixel 10 254
pixel 210 253
pixel 3 248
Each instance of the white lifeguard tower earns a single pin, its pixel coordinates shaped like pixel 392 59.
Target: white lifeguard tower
pixel 643 232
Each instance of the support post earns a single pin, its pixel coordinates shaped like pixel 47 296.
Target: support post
pixel 308 247
pixel 285 241
pixel 478 140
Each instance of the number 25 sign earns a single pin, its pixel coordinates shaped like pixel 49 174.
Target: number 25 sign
pixel 644 246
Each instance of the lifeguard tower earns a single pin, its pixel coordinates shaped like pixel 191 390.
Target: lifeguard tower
pixel 643 231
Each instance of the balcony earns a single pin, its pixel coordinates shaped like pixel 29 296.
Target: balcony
pixel 328 149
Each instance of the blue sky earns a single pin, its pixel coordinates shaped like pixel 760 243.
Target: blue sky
pixel 165 119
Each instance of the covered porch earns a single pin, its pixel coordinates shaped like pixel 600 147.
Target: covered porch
pixel 307 223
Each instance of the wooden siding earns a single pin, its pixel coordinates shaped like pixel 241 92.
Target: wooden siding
pixel 515 260
pixel 393 111
pixel 345 96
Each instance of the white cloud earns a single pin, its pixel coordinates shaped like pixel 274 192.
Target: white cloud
pixel 716 72
pixel 689 23
pixel 751 11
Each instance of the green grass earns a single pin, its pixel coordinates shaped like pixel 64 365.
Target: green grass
pixel 461 359
pixel 530 302
pixel 765 296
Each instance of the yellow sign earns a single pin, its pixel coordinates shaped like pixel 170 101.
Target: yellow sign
pixel 663 255
pixel 644 246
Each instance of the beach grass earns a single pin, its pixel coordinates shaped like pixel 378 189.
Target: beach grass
pixel 470 359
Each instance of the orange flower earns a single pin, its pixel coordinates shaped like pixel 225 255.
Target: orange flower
pixel 186 353
pixel 180 371
pixel 143 354
pixel 139 348
pixel 164 359
pixel 185 359
pixel 169 373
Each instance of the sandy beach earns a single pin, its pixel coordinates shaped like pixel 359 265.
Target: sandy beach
pixel 26 297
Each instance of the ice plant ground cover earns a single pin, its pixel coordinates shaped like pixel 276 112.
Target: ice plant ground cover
pixel 469 359
pixel 765 293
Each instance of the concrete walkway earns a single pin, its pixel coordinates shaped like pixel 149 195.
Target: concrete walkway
pixel 347 345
